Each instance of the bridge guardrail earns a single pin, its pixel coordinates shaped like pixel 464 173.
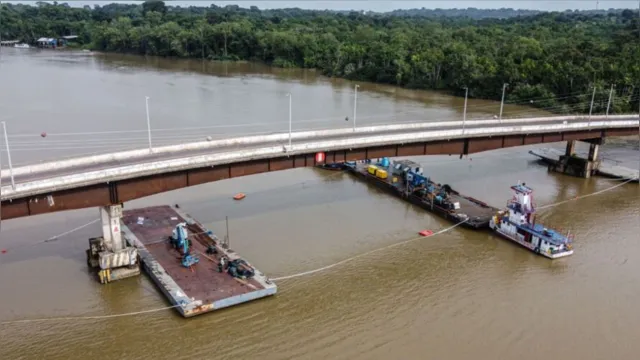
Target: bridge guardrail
pixel 131 171
pixel 278 137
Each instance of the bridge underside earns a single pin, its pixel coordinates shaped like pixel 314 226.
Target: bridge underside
pixel 126 190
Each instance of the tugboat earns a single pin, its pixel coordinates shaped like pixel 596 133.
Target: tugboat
pixel 517 223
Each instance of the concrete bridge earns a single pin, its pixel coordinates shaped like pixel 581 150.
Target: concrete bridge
pixel 112 179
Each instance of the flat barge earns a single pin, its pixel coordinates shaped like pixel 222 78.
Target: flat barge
pixel 199 288
pixel 399 179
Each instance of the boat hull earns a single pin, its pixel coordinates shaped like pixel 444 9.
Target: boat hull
pixel 531 246
pixel 331 167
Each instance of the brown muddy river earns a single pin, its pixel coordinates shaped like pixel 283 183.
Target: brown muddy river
pixel 459 295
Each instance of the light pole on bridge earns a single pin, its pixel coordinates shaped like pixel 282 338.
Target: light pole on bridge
pixel 289 95
pixel 146 101
pixel 593 97
pixel 464 114
pixel 355 105
pixel 610 97
pixel 6 142
pixel 504 89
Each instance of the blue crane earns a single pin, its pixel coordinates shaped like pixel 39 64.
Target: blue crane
pixel 179 241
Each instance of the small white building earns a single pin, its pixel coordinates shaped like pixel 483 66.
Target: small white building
pixel 44 42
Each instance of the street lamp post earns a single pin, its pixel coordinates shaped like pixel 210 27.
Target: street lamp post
pixel 593 96
pixel 146 101
pixel 355 105
pixel 0 192
pixel 6 142
pixel 504 89
pixel 464 114
pixel 0 26
pixel 289 95
pixel 610 97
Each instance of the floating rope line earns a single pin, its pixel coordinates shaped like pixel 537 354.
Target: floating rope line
pixel 96 317
pixel 584 196
pixel 310 272
pixel 366 253
pixel 54 238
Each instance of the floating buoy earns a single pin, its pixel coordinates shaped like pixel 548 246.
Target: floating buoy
pixel 239 196
pixel 43 134
pixel 426 233
pixel 4 251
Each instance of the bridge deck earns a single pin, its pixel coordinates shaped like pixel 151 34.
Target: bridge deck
pixel 202 290
pixel 38 191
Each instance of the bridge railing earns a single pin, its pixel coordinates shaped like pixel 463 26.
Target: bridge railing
pixel 176 150
pixel 190 162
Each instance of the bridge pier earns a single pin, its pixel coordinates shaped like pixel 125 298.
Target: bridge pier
pixel 109 254
pixel 571 164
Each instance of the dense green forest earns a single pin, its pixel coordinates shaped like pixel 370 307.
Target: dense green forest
pixel 553 58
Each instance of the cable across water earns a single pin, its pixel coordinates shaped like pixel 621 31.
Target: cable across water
pixel 287 277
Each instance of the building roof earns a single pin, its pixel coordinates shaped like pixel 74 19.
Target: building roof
pixel 44 39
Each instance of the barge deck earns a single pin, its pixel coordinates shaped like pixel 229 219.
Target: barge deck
pixel 477 213
pixel 195 290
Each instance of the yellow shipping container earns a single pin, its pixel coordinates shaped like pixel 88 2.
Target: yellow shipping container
pixel 372 169
pixel 382 174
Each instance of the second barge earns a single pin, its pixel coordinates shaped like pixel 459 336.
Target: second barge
pixel 214 278
pixel 404 179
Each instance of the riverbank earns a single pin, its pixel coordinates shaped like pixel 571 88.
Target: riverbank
pixel 554 73
pixel 451 296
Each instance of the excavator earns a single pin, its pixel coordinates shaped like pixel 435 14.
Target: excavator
pixel 180 242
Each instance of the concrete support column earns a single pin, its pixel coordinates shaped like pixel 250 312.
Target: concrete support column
pixel 576 166
pixel 110 216
pixel 571 148
pixel 593 152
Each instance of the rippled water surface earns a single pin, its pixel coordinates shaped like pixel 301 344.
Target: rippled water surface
pixel 460 295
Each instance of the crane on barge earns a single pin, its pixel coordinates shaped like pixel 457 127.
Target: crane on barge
pixel 179 240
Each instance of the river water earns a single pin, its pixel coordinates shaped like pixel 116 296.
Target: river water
pixel 459 295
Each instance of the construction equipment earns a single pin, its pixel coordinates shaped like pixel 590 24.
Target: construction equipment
pixel 382 174
pixel 240 269
pixel 180 241
pixel 179 235
pixel 414 179
pixel 384 162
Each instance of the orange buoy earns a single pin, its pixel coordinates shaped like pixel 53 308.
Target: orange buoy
pixel 426 233
pixel 239 196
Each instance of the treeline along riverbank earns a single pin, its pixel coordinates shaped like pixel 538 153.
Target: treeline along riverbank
pixel 549 60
